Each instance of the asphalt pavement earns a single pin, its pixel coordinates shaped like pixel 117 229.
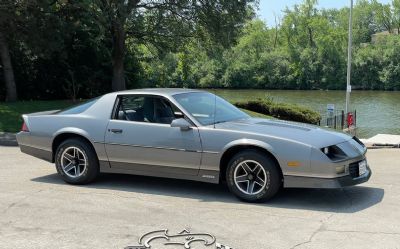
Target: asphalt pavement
pixel 38 210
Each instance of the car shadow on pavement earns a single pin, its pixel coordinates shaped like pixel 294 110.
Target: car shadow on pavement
pixel 347 200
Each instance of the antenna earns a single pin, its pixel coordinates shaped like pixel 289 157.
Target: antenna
pixel 215 106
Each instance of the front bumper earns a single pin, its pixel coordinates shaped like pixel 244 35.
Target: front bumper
pixel 317 182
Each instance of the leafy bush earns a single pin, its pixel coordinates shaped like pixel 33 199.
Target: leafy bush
pixel 283 111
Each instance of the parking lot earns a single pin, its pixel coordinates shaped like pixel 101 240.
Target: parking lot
pixel 38 210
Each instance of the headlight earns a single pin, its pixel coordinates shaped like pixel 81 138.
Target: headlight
pixel 334 153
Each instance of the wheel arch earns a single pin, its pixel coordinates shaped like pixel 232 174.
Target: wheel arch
pixel 237 146
pixel 67 134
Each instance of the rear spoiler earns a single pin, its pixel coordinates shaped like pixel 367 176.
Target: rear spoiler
pixel 41 113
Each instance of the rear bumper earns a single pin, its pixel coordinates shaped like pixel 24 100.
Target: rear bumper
pixel 316 182
pixel 39 153
pixel 24 143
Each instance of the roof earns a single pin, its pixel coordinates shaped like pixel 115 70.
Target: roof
pixel 160 91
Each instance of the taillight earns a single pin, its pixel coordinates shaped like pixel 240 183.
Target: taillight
pixel 24 127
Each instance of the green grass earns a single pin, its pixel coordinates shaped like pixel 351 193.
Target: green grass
pixel 10 113
pixel 11 120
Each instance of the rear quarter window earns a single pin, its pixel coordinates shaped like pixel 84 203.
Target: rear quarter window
pixel 79 108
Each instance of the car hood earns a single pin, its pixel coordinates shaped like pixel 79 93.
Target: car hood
pixel 299 132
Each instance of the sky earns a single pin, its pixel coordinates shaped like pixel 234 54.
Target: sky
pixel 269 7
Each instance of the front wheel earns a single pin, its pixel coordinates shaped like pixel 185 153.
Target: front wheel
pixel 253 176
pixel 76 161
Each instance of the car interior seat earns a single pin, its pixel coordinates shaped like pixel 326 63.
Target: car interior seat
pixel 148 110
pixel 163 112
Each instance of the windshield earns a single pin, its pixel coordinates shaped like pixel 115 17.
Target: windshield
pixel 201 106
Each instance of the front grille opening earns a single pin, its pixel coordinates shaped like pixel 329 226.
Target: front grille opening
pixel 354 169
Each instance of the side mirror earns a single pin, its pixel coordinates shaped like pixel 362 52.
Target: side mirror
pixel 181 123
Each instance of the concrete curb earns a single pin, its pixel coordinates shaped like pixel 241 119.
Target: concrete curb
pixel 389 146
pixel 8 139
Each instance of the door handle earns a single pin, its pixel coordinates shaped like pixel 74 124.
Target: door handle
pixel 115 130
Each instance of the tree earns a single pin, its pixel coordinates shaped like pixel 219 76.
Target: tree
pixel 367 65
pixel 383 15
pixel 364 24
pixel 20 23
pixel 11 14
pixel 163 22
pixel 76 48
pixel 396 15
pixel 246 66
pixel 8 69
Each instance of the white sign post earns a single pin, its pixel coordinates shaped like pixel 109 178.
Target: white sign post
pixel 349 50
pixel 349 88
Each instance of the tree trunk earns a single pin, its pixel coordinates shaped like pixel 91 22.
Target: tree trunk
pixel 11 88
pixel 118 57
pixel 276 33
pixel 310 35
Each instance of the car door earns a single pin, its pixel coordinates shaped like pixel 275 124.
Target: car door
pixel 139 138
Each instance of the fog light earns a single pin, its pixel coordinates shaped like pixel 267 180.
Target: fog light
pixel 340 169
pixel 326 150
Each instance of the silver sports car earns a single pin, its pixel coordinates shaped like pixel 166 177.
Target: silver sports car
pixel 191 134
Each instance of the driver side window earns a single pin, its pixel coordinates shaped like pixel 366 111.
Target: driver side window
pixel 151 109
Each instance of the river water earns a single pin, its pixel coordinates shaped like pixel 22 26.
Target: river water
pixel 377 111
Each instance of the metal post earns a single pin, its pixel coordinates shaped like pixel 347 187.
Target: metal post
pixel 335 122
pixel 355 118
pixel 342 120
pixel 349 52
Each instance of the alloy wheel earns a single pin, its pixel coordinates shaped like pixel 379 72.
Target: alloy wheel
pixel 250 177
pixel 73 162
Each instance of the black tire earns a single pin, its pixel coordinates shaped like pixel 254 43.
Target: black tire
pixel 91 169
pixel 270 173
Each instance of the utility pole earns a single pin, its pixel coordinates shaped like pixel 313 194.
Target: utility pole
pixel 349 52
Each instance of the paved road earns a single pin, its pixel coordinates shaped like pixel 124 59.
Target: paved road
pixel 37 210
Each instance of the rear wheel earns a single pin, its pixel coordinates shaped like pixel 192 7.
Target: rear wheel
pixel 253 176
pixel 76 161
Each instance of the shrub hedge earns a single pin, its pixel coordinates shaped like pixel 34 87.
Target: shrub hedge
pixel 283 111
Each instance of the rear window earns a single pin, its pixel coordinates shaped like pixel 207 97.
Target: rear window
pixel 79 108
